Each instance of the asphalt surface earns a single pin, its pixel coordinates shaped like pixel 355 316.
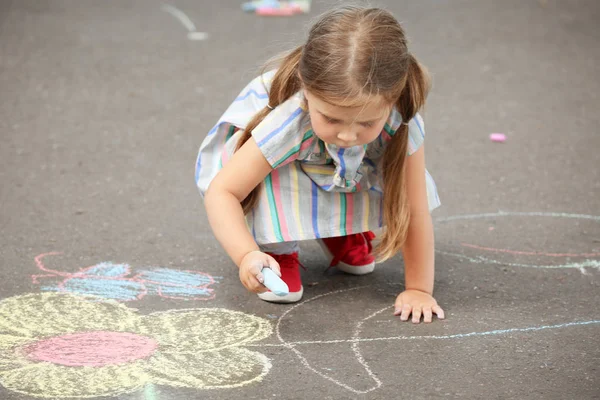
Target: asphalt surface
pixel 103 106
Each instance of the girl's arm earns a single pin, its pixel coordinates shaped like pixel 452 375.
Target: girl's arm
pixel 418 250
pixel 245 170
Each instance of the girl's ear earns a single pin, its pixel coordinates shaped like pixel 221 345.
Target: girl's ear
pixel 305 102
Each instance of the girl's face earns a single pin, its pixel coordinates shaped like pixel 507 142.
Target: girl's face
pixel 347 126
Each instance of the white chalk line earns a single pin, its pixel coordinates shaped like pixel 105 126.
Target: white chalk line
pixel 358 354
pixel 180 15
pixel 583 271
pixel 305 362
pixel 186 22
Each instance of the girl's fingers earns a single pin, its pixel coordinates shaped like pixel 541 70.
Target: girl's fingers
pixel 405 312
pixel 439 312
pixel 260 289
pixel 398 309
pixel 274 265
pixel 255 268
pixel 257 287
pixel 248 285
pixel 418 309
pixel 260 277
pixel 416 315
pixel 427 315
pixel 255 276
pixel 258 283
pixel 253 285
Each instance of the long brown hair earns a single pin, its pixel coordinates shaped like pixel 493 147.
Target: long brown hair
pixel 352 55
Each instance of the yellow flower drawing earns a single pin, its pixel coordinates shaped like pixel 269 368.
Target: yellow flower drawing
pixel 62 345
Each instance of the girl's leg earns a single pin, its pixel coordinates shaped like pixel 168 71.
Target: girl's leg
pixel 351 254
pixel 280 248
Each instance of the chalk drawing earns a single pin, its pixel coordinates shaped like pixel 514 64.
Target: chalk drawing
pixel 115 281
pixel 303 359
pixel 579 264
pixel 356 340
pixel 485 260
pixel 149 392
pixel 530 253
pixel 186 22
pixel 60 345
pixel 518 214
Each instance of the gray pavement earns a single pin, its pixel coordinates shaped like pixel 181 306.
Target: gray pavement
pixel 102 108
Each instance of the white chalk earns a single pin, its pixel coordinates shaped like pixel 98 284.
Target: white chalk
pixel 197 35
pixel 274 283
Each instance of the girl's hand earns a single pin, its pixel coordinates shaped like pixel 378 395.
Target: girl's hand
pixel 417 302
pixel 251 267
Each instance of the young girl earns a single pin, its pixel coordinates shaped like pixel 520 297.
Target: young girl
pixel 328 146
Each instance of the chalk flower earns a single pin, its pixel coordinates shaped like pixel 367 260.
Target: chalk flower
pixel 61 345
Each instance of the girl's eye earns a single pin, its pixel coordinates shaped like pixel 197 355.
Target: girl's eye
pixel 367 124
pixel 332 121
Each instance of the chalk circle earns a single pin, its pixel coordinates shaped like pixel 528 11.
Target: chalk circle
pixel 197 35
pixel 590 261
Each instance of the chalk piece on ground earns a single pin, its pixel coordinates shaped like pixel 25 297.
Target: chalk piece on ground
pixel 197 35
pixel 303 5
pixel 251 6
pixel 277 12
pixel 274 283
pixel 498 137
pixel 277 8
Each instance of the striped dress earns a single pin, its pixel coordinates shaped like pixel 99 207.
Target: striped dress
pixel 315 190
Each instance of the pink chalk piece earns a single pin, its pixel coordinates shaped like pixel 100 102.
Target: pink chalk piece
pixel 276 12
pixel 91 349
pixel 498 137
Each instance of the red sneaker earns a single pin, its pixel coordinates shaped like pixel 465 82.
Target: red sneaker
pixel 352 253
pixel 290 273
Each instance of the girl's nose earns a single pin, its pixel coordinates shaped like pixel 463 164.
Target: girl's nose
pixel 347 136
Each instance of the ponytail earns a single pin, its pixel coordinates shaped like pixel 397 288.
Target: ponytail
pixel 396 210
pixel 285 83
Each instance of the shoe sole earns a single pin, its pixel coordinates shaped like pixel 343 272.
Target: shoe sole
pixel 347 268
pixel 292 297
